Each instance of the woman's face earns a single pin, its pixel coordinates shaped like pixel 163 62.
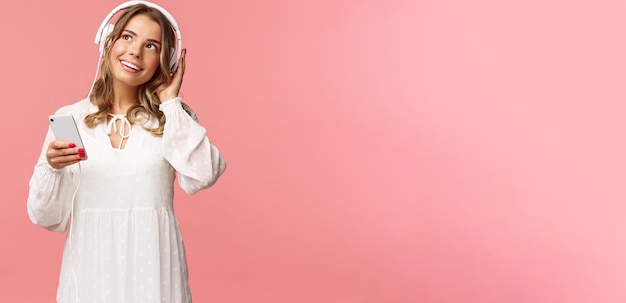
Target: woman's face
pixel 135 56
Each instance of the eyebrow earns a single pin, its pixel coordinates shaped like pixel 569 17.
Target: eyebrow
pixel 150 40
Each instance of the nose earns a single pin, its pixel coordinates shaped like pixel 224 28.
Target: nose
pixel 134 51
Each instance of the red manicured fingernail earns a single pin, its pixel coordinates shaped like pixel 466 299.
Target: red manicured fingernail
pixel 81 155
pixel 81 150
pixel 72 145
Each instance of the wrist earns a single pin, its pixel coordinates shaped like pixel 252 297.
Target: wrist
pixel 52 168
pixel 166 97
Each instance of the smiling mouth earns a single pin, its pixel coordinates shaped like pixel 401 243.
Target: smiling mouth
pixel 131 66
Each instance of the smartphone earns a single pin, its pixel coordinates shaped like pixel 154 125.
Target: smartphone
pixel 65 129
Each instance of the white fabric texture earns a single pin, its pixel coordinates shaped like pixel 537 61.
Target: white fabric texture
pixel 124 243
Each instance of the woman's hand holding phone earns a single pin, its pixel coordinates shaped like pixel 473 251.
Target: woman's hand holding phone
pixel 68 147
pixel 62 153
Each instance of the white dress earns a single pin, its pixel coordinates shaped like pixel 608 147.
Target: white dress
pixel 124 243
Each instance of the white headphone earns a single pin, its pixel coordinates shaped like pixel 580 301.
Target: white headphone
pixel 106 28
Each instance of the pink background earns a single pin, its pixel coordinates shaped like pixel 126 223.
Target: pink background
pixel 378 151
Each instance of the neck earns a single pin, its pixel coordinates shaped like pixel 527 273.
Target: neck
pixel 123 99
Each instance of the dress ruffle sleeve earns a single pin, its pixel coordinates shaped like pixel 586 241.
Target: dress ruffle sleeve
pixel 187 148
pixel 50 192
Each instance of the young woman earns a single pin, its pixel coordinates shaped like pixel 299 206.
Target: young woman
pixel 124 243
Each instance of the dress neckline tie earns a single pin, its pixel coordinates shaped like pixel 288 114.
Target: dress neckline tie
pixel 112 127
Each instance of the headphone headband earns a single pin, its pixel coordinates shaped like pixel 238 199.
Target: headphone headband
pixel 104 30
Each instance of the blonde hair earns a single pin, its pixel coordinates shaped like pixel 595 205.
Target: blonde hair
pixel 149 101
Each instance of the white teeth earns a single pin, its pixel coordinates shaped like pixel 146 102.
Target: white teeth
pixel 135 67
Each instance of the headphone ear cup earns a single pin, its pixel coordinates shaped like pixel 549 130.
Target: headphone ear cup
pixel 106 31
pixel 173 60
